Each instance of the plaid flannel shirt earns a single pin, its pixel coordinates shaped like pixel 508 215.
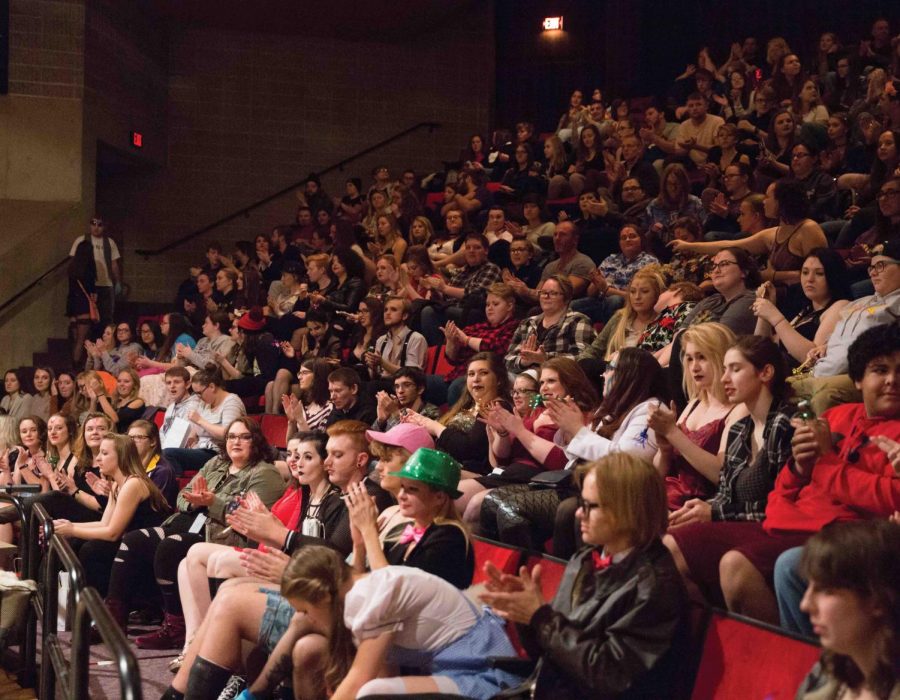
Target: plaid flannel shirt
pixel 476 279
pixel 494 339
pixel 745 481
pixel 572 334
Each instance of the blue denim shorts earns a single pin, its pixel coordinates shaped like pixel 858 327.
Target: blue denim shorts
pixel 275 619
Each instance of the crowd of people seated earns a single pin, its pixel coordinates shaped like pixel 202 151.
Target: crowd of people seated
pixel 669 343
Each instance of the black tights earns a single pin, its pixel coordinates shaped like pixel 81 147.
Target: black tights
pixel 151 551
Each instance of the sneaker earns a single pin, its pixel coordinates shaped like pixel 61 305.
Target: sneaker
pixel 169 636
pixel 233 688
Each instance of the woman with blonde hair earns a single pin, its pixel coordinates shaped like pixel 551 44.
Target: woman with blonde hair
pixel 420 231
pixel 557 170
pixel 692 447
pixel 129 406
pixel 628 323
pixel 435 540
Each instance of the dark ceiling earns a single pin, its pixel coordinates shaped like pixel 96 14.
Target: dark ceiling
pixel 372 20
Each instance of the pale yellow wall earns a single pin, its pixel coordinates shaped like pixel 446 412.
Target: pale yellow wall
pixel 43 232
pixel 40 149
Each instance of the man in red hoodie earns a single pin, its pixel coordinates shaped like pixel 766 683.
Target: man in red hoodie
pixel 845 466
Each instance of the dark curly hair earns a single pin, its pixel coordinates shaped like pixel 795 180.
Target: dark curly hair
pixel 879 341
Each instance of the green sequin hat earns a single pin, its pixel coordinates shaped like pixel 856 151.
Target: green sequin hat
pixel 432 467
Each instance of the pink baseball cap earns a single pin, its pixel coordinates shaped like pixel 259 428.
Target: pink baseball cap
pixel 406 435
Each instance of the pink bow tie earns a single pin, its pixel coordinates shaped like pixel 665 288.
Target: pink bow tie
pixel 412 534
pixel 600 562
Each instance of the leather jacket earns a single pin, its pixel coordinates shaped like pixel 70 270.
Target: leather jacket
pixel 618 639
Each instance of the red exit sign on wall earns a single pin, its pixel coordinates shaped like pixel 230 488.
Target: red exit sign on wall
pixel 137 139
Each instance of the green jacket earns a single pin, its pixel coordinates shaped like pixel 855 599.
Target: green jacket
pixel 262 477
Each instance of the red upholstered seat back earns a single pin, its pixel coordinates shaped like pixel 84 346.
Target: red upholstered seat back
pixel 744 660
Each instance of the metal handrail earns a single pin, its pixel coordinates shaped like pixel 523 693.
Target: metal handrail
pixel 431 126
pixel 72 675
pixel 22 292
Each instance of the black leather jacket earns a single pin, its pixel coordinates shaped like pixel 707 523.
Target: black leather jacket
pixel 615 640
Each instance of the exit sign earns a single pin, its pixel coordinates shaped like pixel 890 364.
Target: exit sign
pixel 137 139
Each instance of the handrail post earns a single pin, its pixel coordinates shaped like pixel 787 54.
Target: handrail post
pixel 81 651
pixel 48 624
pixel 90 607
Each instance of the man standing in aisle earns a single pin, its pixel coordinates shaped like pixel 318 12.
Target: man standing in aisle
pixel 106 261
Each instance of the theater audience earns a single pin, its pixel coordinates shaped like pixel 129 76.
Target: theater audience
pixel 524 367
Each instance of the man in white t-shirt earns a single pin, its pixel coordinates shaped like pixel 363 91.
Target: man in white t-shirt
pixel 106 261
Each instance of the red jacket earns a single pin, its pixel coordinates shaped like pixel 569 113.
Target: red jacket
pixel 839 487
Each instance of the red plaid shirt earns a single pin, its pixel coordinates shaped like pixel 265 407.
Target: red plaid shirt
pixel 494 339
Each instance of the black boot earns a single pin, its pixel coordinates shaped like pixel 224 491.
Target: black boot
pixel 172 694
pixel 206 680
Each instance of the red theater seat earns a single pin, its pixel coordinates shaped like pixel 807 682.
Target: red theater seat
pixel 747 659
pixel 552 570
pixel 504 558
pixel 274 429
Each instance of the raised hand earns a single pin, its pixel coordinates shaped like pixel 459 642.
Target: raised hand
pixel 661 418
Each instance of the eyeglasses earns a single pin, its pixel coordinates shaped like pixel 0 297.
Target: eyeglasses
pixel 722 265
pixel 124 329
pixel 586 506
pixel 880 265
pixel 885 194
pixel 238 437
pixel 547 294
pixel 96 222
pixel 523 392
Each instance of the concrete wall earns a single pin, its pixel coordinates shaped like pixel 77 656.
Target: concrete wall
pixel 41 183
pixel 248 114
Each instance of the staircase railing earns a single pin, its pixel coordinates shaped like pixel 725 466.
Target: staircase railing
pixel 431 126
pixel 243 211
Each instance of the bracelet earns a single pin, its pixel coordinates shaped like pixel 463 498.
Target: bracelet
pixel 778 321
pixel 75 495
pixel 503 434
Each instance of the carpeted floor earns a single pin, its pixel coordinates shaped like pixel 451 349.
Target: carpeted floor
pixel 104 678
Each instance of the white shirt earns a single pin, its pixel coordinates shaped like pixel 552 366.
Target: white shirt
pixel 104 276
pixel 425 612
pixel 634 436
